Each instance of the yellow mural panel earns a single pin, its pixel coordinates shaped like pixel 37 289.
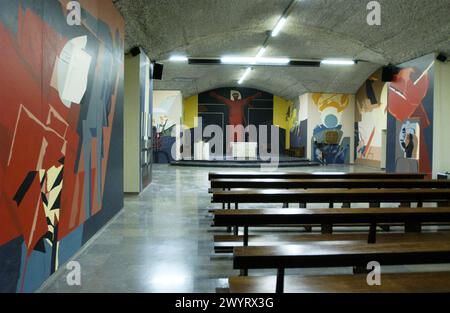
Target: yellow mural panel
pixel 190 111
pixel 284 116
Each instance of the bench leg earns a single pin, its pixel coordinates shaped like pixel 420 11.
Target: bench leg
pixel 302 205
pixel 229 208
pixel 327 228
pixel 280 281
pixel 236 228
pixel 346 205
pixel 413 227
pixel 308 228
pixel 372 233
pixel 245 236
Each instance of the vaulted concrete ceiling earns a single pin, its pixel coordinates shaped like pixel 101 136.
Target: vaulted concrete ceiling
pixel 315 29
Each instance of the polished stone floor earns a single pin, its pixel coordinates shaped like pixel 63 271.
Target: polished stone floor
pixel 162 240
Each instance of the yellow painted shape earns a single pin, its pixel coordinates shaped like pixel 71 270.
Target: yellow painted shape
pixel 190 112
pixel 284 116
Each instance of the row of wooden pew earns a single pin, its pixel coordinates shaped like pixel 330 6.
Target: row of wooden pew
pixel 330 249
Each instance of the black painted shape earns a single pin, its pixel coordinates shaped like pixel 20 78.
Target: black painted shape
pixel 40 245
pixel 58 180
pixel 20 194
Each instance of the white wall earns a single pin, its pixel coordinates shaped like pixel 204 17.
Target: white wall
pixel 441 127
pixel 131 116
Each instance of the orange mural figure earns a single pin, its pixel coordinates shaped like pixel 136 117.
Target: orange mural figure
pixel 236 108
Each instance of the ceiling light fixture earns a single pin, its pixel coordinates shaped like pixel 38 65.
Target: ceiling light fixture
pixel 246 73
pixel 254 61
pixel 178 58
pixel 280 61
pixel 237 60
pixel 338 62
pixel 276 31
pixel 261 52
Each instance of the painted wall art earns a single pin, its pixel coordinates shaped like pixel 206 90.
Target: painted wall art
pixel 371 120
pixel 410 117
pixel 240 106
pixel 61 134
pixel 330 141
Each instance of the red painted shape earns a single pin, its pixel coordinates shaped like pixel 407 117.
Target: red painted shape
pixel 369 143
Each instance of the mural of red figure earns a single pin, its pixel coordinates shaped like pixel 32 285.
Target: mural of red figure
pixel 236 113
pixel 59 103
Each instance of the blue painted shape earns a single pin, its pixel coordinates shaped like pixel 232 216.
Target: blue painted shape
pixel 331 121
pixel 69 245
pixel 10 261
pixel 35 270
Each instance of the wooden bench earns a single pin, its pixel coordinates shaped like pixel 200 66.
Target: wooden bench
pixel 412 218
pixel 283 183
pixel 226 243
pixel 330 196
pixel 390 283
pixel 320 255
pixel 322 175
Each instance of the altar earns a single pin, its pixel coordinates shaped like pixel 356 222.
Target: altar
pixel 244 150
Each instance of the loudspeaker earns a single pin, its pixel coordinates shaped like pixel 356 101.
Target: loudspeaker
pixel 135 51
pixel 442 57
pixel 158 69
pixel 389 72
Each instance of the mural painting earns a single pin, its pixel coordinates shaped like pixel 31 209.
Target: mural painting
pixel 237 106
pixel 329 144
pixel 410 118
pixel 61 134
pixel 370 120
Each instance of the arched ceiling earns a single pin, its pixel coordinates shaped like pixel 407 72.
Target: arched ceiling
pixel 315 29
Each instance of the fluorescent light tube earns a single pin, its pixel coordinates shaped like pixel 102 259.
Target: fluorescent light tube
pixel 273 61
pixel 261 52
pixel 238 60
pixel 279 26
pixel 247 71
pixel 254 61
pixel 178 58
pixel 337 62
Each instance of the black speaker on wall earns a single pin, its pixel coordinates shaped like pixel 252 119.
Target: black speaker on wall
pixel 135 51
pixel 389 72
pixel 442 57
pixel 158 69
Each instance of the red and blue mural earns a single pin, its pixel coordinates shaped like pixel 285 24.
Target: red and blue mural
pixel 61 133
pixel 410 117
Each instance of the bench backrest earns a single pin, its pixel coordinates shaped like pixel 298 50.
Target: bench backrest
pixel 300 175
pixel 330 195
pixel 336 254
pixel 255 217
pixel 278 183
